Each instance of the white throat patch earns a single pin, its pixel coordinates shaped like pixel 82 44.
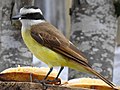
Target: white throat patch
pixel 26 24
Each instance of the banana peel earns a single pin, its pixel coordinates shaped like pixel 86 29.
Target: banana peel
pixel 26 74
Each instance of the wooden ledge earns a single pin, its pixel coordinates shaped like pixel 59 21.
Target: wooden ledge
pixel 32 86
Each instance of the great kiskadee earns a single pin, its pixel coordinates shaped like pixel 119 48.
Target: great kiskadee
pixel 49 45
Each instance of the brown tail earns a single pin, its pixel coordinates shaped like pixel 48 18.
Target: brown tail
pixel 101 77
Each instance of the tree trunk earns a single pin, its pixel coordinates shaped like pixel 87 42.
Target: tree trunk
pixel 118 32
pixel 13 52
pixel 94 29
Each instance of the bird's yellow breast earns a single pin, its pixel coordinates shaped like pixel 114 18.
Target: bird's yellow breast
pixel 45 54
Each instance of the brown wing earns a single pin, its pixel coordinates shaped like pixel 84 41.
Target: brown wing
pixel 49 36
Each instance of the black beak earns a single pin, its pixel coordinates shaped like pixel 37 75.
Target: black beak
pixel 17 17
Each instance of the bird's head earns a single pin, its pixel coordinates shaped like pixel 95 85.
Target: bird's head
pixel 29 14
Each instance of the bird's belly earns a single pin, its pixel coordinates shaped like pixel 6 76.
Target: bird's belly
pixel 45 54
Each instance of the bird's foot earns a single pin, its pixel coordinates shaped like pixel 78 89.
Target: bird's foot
pixel 47 83
pixel 55 81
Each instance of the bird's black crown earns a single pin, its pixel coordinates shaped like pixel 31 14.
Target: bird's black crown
pixel 29 7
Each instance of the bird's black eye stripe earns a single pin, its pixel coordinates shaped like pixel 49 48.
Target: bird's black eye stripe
pixel 32 16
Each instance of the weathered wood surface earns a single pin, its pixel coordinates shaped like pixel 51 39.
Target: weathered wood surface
pixel 32 86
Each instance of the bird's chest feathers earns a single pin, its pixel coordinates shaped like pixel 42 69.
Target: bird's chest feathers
pixel 43 53
pixel 29 41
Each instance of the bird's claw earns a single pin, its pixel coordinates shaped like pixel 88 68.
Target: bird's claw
pixel 45 83
pixel 55 81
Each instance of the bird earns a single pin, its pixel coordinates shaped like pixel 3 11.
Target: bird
pixel 49 45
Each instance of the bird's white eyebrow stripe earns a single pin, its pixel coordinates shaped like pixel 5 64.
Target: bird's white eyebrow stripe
pixel 31 10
